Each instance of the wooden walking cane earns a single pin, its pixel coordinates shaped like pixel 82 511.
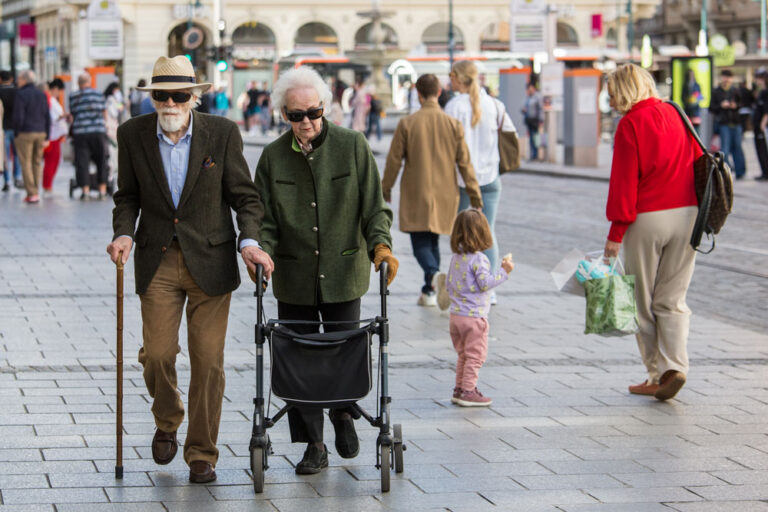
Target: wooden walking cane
pixel 119 408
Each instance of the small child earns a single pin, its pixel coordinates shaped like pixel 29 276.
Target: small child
pixel 467 292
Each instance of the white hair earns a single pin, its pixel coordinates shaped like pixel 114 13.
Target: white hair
pixel 300 78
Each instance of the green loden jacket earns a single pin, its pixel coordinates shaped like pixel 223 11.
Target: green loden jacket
pixel 217 182
pixel 324 215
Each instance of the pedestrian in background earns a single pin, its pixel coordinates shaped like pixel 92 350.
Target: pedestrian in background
pixel 32 124
pixel 725 104
pixel 481 115
pixel 136 96
pixel 467 293
pixel 692 99
pixel 56 136
pixel 374 118
pixel 87 112
pixel 12 166
pixel 113 108
pixel 361 104
pixel 433 145
pixel 181 175
pixel 221 102
pixel 760 121
pixel 533 116
pixel 652 207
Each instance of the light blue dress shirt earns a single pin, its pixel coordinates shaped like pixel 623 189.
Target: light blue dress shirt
pixel 175 160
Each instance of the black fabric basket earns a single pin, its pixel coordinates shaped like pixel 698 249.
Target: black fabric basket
pixel 323 369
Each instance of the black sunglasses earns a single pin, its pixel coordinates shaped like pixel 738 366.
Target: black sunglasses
pixel 177 96
pixel 297 116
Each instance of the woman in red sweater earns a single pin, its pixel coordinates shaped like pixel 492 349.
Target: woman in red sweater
pixel 652 207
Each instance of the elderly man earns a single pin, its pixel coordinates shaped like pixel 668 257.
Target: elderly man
pixel 325 221
pixel 183 171
pixel 32 122
pixel 433 146
pixel 89 136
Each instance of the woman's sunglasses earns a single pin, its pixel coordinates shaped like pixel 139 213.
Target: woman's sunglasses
pixel 178 96
pixel 297 116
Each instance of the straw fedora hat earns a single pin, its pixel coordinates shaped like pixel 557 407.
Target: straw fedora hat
pixel 173 74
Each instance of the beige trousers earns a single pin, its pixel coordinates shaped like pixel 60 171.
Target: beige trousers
pixel 29 147
pixel 657 252
pixel 162 307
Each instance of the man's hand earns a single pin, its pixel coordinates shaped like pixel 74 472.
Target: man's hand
pixel 383 253
pixel 611 249
pixel 253 256
pixel 121 243
pixel 387 195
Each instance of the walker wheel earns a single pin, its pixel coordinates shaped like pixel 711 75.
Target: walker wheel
pixel 257 468
pixel 397 431
pixel 385 465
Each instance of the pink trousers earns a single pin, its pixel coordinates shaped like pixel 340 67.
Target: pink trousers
pixel 470 339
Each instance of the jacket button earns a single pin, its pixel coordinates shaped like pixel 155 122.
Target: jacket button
pixel 163 249
pixel 175 221
pixel 313 204
pixel 322 276
pixel 317 253
pixel 311 158
pixel 314 229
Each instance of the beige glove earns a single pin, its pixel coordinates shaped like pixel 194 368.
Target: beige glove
pixel 383 253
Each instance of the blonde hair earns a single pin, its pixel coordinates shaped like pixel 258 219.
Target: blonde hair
pixel 630 84
pixel 466 73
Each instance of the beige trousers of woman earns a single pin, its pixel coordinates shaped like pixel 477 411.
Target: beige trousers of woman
pixel 657 252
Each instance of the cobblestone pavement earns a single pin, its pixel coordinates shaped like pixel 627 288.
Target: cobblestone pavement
pixel 562 434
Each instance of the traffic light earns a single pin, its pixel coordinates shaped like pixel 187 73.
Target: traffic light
pixel 223 54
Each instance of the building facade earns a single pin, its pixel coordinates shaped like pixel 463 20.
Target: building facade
pixel 262 32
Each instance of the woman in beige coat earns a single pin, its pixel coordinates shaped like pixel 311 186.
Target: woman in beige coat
pixel 432 144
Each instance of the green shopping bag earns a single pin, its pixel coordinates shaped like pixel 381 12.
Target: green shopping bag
pixel 611 307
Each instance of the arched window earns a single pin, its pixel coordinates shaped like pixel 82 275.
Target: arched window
pixel 253 40
pixel 435 38
pixel 176 44
pixel 495 37
pixel 364 37
pixel 317 35
pixel 566 35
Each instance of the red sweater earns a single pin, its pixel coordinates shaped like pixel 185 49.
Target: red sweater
pixel 652 165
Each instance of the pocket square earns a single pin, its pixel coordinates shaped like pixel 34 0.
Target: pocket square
pixel 208 163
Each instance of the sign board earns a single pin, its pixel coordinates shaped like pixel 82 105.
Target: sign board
pixel 597 25
pixel 527 33
pixel 692 83
pixel 189 11
pixel 105 30
pixel 192 38
pixel 50 54
pixel 586 100
pixel 27 34
pixel 724 54
pixel 528 6
pixel 552 79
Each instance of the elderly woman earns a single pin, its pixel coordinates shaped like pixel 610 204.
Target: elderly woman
pixel 325 221
pixel 652 207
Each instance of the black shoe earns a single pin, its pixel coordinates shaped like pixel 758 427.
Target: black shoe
pixel 759 178
pixel 314 460
pixel 347 445
pixel 6 188
pixel 18 184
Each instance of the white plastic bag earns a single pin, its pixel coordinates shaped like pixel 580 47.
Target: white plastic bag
pixel 564 273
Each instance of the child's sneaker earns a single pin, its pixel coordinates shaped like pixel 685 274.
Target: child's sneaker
pixel 456 395
pixel 443 299
pixel 473 398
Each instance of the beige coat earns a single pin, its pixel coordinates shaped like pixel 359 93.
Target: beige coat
pixel 432 144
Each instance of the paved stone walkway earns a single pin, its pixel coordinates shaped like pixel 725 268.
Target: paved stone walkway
pixel 562 434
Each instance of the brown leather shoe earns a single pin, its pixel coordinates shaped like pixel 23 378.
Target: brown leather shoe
pixel 670 383
pixel 644 389
pixel 164 447
pixel 201 472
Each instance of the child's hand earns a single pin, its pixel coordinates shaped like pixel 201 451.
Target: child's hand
pixel 507 264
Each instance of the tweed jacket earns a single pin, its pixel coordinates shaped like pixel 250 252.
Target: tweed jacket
pixel 217 182
pixel 324 215
pixel 433 146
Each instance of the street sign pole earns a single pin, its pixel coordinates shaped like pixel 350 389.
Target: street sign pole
pixel 450 35
pixel 763 14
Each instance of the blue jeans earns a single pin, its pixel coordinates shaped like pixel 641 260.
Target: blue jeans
pixel 533 136
pixel 16 164
pixel 491 194
pixel 730 139
pixel 427 251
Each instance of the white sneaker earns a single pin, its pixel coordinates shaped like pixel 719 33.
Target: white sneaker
pixel 443 299
pixel 492 298
pixel 428 299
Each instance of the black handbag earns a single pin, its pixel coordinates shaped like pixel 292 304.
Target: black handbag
pixel 714 189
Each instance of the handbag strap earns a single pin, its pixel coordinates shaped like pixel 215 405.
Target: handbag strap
pixel 687 123
pixel 501 123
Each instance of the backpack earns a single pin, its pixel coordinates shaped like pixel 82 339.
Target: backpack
pixel 714 189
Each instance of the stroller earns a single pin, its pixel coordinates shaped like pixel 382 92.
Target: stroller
pixel 336 372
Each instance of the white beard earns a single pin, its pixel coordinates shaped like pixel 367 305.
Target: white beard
pixel 172 123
